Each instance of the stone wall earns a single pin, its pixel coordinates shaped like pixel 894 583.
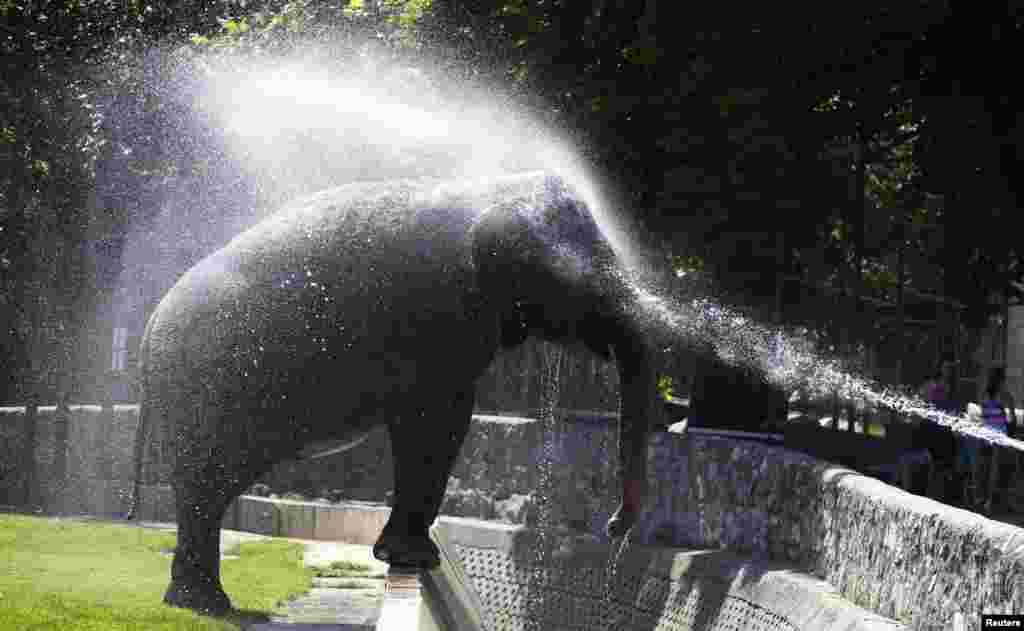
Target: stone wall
pixel 81 459
pixel 898 554
pixel 502 576
pixel 13 470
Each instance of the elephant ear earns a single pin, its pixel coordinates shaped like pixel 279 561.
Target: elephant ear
pixel 542 261
pixel 504 256
pixel 550 233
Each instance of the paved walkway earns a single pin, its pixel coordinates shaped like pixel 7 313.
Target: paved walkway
pixel 334 604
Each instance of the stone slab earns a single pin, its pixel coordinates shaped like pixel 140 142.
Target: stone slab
pixel 252 515
pixel 350 523
pixel 355 522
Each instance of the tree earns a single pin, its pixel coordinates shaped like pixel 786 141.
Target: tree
pixel 819 136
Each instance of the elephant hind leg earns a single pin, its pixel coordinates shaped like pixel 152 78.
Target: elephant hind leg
pixel 202 499
pixel 424 448
pixel 195 571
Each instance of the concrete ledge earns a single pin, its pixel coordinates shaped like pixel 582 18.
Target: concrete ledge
pixel 913 556
pixel 506 571
pixel 450 590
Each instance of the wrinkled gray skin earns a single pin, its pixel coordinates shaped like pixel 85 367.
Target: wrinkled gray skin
pixel 365 305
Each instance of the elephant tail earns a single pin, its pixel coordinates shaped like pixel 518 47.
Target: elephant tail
pixel 143 427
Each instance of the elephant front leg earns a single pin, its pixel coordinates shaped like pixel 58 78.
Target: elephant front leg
pixel 424 448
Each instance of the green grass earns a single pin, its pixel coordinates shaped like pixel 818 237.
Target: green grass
pixel 343 569
pixel 347 569
pixel 95 576
pixel 353 585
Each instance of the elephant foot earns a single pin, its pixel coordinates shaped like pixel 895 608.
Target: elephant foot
pixel 620 523
pixel 417 551
pixel 204 598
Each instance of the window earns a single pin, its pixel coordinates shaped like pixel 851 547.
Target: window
pixel 120 349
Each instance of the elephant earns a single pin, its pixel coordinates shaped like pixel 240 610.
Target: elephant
pixel 376 304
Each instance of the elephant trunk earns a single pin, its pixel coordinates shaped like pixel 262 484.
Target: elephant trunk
pixel 639 409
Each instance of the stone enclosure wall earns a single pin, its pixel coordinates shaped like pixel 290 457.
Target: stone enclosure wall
pixel 895 553
pixel 900 555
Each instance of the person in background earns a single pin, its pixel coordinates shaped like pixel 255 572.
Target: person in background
pixel 937 438
pixel 998 413
pixel 939 389
pixel 998 408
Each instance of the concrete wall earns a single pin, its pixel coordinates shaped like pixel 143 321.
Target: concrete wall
pixel 81 459
pixel 898 554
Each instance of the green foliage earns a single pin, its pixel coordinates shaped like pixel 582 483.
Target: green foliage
pixel 519 72
pixel 40 168
pixel 642 53
pixel 406 14
pixel 262 30
pixel 285 28
pixel 684 265
pixel 878 278
pixel 514 7
pixel 356 9
pixel 665 386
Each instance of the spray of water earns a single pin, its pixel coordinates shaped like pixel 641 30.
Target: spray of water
pixel 551 383
pixel 614 615
pixel 786 359
pixel 297 129
pixel 265 131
